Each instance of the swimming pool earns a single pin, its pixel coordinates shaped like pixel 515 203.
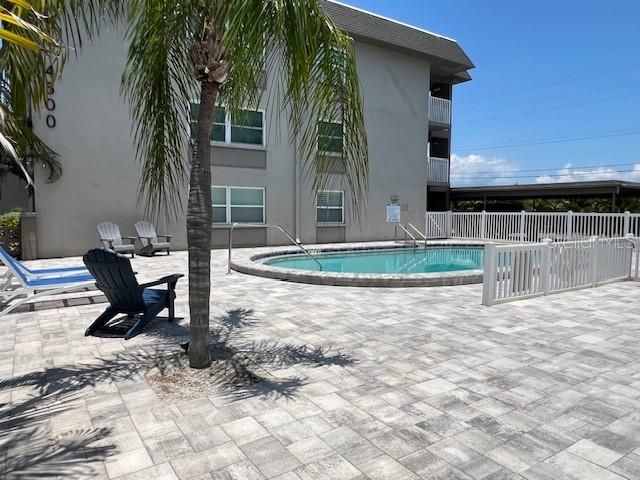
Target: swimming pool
pixel 372 264
pixel 387 261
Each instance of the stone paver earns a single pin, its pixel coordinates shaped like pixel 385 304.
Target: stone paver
pixel 376 383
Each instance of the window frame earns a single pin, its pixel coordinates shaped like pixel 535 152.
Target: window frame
pixel 319 207
pixel 228 206
pixel 227 127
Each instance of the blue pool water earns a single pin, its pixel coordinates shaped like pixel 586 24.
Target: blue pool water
pixel 396 260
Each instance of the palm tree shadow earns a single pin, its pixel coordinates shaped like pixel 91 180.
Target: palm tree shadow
pixel 251 361
pixel 35 453
pixel 241 369
pixel 30 447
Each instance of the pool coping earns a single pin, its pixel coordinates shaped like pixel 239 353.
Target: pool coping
pixel 250 261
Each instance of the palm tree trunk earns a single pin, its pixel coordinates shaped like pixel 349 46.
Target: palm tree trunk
pixel 199 221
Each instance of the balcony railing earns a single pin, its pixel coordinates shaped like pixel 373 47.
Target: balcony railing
pixel 439 110
pixel 437 170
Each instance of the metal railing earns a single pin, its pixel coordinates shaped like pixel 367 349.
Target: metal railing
pixel 406 233
pixel 437 170
pixel 267 225
pixel 439 110
pixel 416 230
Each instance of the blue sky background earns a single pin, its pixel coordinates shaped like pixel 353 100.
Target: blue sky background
pixel 544 70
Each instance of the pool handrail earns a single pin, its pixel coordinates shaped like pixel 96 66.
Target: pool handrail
pixel 407 232
pixel 267 225
pixel 424 237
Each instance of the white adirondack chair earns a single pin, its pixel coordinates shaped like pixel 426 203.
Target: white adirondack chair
pixel 110 237
pixel 150 239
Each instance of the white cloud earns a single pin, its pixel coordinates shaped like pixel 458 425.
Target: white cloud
pixel 480 170
pixel 473 169
pixel 568 174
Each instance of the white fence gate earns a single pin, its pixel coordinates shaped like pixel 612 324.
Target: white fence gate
pixel 524 227
pixel 513 272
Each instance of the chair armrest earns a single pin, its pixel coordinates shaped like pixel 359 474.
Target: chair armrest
pixel 109 241
pixel 168 237
pixel 169 279
pixel 141 237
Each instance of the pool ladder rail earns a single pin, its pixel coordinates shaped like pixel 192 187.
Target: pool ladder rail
pixel 267 225
pixel 406 229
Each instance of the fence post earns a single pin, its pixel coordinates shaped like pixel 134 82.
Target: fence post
pixel 631 238
pixel 523 216
pixel 426 225
pixel 636 248
pixel 489 277
pixel 449 224
pixel 569 232
pixel 483 225
pixel 545 265
pixel 627 223
pixel 594 260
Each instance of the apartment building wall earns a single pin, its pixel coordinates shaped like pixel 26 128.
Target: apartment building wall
pixel 100 173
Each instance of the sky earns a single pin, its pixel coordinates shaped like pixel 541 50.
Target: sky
pixel 555 94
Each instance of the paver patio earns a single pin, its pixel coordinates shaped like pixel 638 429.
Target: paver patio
pixel 393 384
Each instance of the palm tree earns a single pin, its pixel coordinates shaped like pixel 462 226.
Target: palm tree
pixel 20 35
pixel 217 51
pixel 36 37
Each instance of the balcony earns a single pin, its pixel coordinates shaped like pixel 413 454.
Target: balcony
pixel 437 170
pixel 439 110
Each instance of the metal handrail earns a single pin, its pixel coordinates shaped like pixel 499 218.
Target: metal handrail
pixel 267 225
pixel 410 225
pixel 407 232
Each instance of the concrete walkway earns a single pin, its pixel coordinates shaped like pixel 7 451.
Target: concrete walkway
pixel 358 383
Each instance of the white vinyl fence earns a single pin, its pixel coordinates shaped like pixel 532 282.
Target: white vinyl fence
pixel 513 272
pixel 524 227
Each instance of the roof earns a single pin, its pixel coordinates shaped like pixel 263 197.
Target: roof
pixel 593 188
pixel 374 28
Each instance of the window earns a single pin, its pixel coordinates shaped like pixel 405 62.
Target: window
pixel 330 207
pixel 337 59
pixel 237 204
pixel 330 137
pixel 246 127
pixel 219 129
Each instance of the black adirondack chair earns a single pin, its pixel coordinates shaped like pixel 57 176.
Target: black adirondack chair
pixel 115 277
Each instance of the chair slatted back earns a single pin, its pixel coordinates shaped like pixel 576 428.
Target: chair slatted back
pixel 146 229
pixel 115 277
pixel 110 231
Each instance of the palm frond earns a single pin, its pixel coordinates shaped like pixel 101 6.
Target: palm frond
pixel 315 63
pixel 31 63
pixel 157 82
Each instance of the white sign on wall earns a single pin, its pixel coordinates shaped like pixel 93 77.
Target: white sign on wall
pixel 393 213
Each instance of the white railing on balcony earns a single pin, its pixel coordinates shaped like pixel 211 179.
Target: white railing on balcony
pixel 437 170
pixel 513 272
pixel 532 226
pixel 439 110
